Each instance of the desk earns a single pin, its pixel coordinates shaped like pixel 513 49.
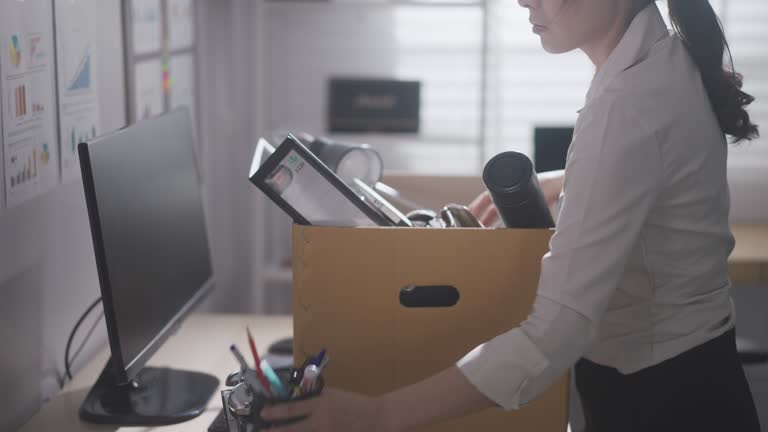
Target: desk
pixel 748 263
pixel 201 344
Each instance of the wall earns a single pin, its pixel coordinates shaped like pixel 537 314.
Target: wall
pixel 308 42
pixel 47 269
pixel 230 95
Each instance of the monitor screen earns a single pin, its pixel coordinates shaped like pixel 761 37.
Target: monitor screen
pixel 551 147
pixel 143 193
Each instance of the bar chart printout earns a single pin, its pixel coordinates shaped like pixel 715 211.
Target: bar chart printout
pixel 30 150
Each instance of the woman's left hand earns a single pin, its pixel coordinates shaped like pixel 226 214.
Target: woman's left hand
pixel 333 410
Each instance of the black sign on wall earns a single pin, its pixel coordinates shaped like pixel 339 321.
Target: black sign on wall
pixel 366 105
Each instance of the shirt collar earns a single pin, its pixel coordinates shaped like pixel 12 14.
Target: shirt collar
pixel 647 28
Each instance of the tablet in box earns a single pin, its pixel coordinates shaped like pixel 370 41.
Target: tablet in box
pixel 300 184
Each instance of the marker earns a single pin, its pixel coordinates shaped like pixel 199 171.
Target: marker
pixel 295 376
pixel 311 373
pixel 274 381
pixel 257 362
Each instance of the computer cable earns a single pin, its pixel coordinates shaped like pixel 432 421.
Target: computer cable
pixel 87 336
pixel 72 336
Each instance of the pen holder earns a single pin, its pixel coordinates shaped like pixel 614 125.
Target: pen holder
pixel 253 421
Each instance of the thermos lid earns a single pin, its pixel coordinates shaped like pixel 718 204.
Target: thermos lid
pixel 348 161
pixel 508 172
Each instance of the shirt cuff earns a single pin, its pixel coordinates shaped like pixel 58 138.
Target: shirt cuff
pixel 501 367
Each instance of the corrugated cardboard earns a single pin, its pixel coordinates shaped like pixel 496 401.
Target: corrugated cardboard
pixel 347 283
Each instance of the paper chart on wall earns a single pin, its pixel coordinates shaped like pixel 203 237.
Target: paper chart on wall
pixel 30 152
pixel 182 74
pixel 148 89
pixel 147 26
pixel 2 170
pixel 181 24
pixel 78 81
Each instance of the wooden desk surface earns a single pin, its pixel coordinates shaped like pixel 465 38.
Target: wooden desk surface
pixel 751 243
pixel 201 344
pixel 748 263
pixel 203 340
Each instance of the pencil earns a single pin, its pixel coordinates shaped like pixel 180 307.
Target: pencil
pixel 257 361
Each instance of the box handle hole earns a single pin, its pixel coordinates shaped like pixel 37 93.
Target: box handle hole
pixel 429 296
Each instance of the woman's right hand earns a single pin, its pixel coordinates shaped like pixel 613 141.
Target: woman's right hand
pixel 485 210
pixel 551 184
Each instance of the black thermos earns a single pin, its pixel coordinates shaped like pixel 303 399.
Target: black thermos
pixel 515 190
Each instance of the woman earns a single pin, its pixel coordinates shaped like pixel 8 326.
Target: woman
pixel 635 289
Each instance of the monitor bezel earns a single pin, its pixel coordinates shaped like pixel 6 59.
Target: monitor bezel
pixel 125 373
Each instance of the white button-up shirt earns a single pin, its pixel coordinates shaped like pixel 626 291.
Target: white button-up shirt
pixel 637 269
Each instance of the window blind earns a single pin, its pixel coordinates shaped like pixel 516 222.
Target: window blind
pixel 486 81
pixel 747 32
pixel 527 86
pixel 442 47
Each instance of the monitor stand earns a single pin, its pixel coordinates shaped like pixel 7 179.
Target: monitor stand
pixel 157 396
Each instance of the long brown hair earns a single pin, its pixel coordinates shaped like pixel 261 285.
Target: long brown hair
pixel 699 28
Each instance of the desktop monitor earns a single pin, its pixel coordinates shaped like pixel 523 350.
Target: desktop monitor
pixel 142 190
pixel 551 147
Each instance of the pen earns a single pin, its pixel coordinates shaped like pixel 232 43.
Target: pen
pixel 324 363
pixel 319 359
pixel 307 361
pixel 239 357
pixel 257 361
pixel 274 381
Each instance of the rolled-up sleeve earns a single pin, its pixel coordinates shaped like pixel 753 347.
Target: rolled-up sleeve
pixel 612 180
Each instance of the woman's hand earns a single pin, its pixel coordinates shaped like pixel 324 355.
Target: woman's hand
pixel 551 184
pixel 443 396
pixel 332 411
pixel 485 211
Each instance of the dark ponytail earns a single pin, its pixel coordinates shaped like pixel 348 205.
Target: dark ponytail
pixel 698 26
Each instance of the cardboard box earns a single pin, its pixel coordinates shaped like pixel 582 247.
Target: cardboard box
pixel 347 299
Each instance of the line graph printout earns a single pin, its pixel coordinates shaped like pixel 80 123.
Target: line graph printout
pixel 147 26
pixel 78 80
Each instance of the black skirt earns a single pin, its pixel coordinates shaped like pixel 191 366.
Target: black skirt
pixel 701 390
